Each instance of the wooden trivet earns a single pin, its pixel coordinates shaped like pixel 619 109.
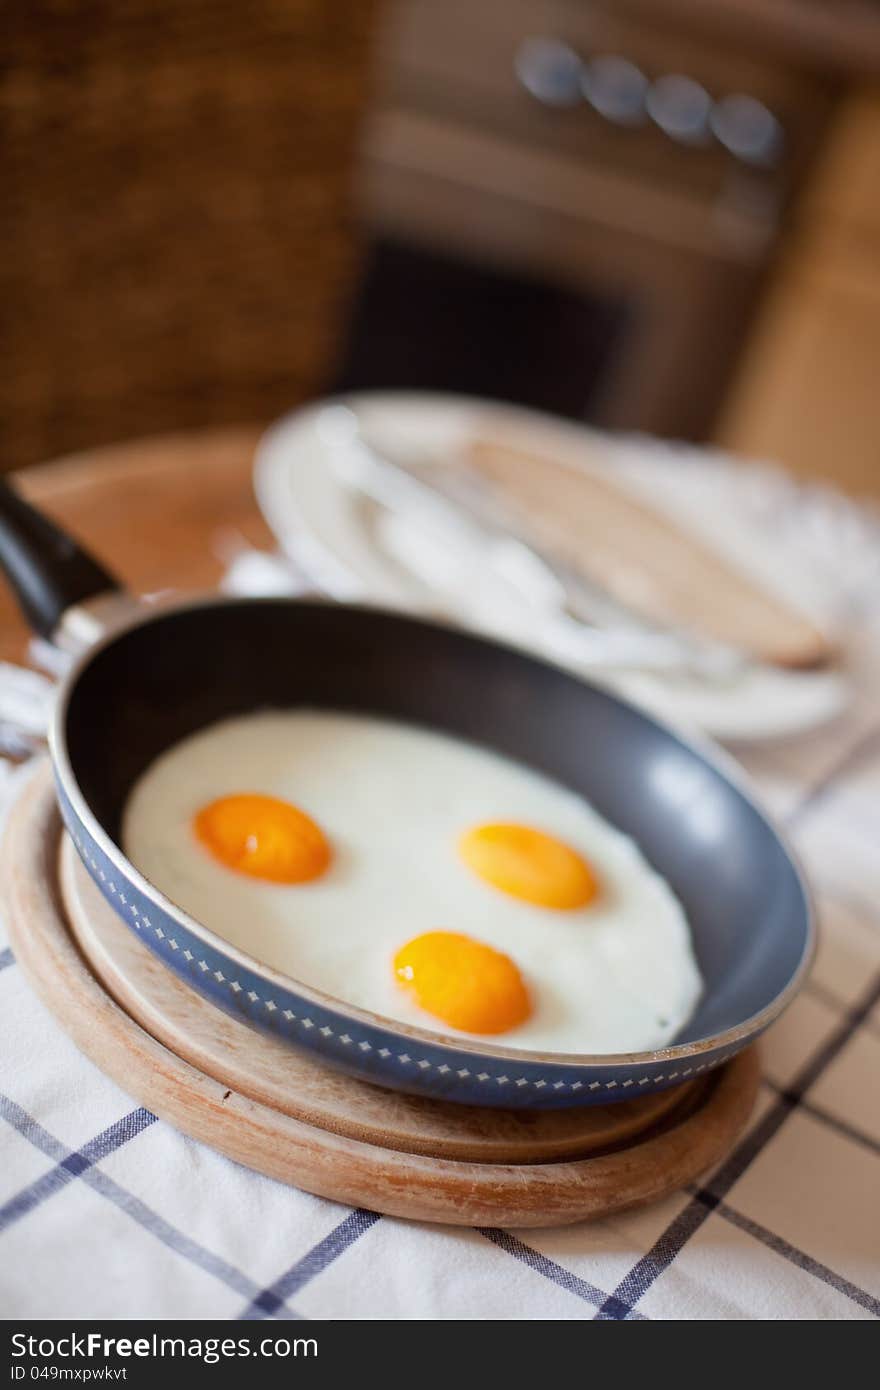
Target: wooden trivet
pixel 284 1114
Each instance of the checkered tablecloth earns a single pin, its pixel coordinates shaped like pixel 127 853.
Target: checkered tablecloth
pixel 106 1212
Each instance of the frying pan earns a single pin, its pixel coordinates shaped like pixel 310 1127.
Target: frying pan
pixel 157 676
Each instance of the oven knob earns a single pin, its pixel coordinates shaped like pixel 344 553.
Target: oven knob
pixel 747 128
pixel 616 88
pixel 550 71
pixel 680 107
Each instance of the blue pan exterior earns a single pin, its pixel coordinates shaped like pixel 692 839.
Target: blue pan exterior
pixel 143 688
pixel 366 1050
pixel 164 674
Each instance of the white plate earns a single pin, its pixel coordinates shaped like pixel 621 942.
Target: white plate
pixel 337 538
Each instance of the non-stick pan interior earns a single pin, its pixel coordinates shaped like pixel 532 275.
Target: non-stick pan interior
pixel 183 670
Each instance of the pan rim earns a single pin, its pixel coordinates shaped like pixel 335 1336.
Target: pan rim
pixel 699 745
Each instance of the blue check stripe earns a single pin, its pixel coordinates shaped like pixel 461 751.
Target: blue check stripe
pixel 791 1253
pixel 833 1001
pixel 549 1268
pixel 73 1164
pixel 673 1240
pixel 132 1206
pixel 269 1300
pixel 818 1112
pixel 358 1222
pixel 676 1236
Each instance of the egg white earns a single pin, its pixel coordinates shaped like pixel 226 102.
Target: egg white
pixel 617 975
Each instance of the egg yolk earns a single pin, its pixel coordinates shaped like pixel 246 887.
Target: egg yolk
pixel 463 982
pixel 263 837
pixel 528 864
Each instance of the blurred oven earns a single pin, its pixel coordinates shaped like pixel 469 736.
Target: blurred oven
pixel 572 205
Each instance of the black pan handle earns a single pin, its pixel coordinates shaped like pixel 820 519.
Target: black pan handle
pixel 48 571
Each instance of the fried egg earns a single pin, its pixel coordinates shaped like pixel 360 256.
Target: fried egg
pixel 417 876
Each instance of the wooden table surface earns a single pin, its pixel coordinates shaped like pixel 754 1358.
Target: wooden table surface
pixel 156 512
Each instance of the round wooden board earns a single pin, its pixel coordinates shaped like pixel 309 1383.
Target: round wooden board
pixel 267 1070
pixel 286 1115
